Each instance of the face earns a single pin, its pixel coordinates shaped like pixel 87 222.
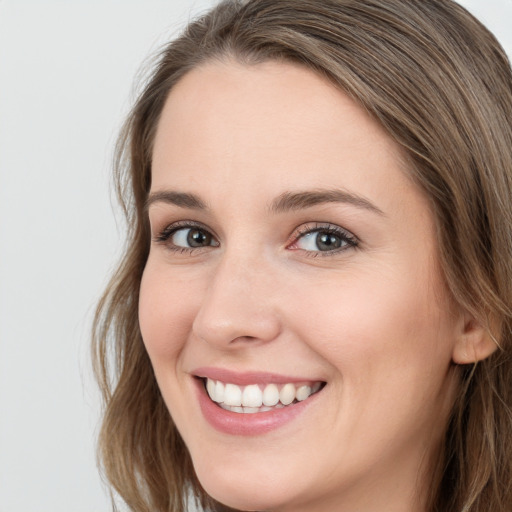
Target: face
pixel 291 305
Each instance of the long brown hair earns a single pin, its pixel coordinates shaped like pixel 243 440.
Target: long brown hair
pixel 441 85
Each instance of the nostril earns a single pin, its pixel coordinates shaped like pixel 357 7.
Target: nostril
pixel 244 339
pixel 235 331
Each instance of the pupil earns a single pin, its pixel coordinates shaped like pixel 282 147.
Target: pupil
pixel 197 238
pixel 328 241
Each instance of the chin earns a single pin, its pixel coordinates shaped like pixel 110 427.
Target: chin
pixel 245 491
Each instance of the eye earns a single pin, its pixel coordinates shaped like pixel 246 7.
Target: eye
pixel 326 239
pixel 191 237
pixel 186 237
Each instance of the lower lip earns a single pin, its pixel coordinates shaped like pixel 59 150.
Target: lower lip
pixel 240 424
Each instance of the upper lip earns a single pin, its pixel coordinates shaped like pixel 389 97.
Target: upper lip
pixel 249 377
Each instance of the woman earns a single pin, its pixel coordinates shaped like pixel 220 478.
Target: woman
pixel 317 284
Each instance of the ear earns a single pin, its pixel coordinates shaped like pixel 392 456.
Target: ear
pixel 474 341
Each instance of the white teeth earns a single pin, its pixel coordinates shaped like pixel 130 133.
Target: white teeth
pixel 251 399
pixel 210 387
pixel 252 396
pixel 232 395
pixel 270 395
pixel 218 392
pixel 287 394
pixel 303 392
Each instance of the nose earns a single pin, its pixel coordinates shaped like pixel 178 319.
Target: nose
pixel 239 305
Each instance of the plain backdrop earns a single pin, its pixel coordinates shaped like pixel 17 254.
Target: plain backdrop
pixel 66 75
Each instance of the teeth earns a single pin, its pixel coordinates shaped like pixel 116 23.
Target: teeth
pixel 303 392
pixel 232 395
pixel 210 387
pixel 252 396
pixel 270 395
pixel 287 394
pixel 219 391
pixel 251 399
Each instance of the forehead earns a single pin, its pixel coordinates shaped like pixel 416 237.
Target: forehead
pixel 273 123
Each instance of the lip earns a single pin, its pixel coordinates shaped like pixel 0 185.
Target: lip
pixel 247 378
pixel 239 424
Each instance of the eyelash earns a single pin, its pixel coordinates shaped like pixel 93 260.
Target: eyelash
pixel 164 236
pixel 348 239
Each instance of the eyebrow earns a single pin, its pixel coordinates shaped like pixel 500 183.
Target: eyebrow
pixel 307 199
pixel 181 199
pixel 288 201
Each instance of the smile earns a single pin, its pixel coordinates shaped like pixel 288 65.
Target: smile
pixel 257 398
pixel 253 403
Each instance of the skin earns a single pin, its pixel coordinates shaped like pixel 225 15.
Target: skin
pixel 375 322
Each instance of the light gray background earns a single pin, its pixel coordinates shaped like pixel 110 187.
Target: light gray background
pixel 66 74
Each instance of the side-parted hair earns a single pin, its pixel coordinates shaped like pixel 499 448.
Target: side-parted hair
pixel 441 86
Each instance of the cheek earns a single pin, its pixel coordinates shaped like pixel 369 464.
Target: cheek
pixel 388 345
pixel 377 323
pixel 166 312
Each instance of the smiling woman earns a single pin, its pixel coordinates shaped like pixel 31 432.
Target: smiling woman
pixel 314 309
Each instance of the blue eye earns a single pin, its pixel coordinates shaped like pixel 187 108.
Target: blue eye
pixel 324 239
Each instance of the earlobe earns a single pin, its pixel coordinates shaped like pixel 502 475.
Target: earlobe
pixel 475 342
